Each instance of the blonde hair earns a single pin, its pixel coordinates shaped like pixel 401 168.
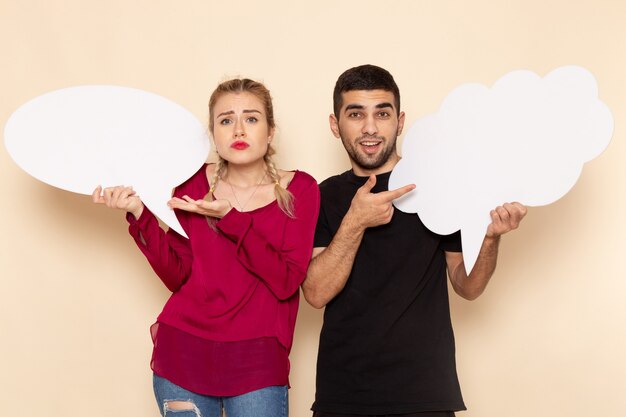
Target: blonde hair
pixel 284 198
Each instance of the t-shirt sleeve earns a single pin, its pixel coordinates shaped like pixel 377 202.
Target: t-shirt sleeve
pixel 452 243
pixel 323 234
pixel 168 253
pixel 281 268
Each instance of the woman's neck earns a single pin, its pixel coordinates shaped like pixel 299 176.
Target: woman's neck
pixel 243 176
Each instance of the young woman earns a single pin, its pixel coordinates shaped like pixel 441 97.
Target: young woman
pixel 223 338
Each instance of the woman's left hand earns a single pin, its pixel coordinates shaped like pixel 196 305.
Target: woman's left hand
pixel 216 208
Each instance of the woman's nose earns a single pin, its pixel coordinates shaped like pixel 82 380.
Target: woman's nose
pixel 239 130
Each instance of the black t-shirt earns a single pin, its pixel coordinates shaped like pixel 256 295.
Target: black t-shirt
pixel 387 345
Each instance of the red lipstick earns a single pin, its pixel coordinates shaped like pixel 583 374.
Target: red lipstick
pixel 239 145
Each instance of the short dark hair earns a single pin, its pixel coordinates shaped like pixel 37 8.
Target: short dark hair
pixel 364 77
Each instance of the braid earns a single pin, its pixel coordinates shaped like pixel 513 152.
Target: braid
pixel 283 196
pixel 244 85
pixel 220 167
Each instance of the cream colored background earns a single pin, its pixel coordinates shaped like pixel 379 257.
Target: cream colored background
pixel 547 338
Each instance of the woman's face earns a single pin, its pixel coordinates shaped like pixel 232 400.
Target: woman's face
pixel 240 128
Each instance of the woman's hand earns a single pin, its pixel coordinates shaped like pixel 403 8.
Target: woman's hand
pixel 215 208
pixel 120 197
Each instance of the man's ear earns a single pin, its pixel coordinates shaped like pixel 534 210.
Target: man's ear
pixel 334 125
pixel 400 123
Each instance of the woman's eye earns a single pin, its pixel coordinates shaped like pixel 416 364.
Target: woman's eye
pixel 225 121
pixel 252 119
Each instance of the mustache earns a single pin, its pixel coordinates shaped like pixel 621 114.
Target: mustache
pixel 360 138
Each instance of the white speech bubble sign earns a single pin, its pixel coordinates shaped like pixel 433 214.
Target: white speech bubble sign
pixel 79 137
pixel 524 139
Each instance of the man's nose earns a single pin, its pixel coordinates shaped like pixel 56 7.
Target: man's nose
pixel 370 127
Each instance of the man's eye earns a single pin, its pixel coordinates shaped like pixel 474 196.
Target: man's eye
pixel 383 114
pixel 354 115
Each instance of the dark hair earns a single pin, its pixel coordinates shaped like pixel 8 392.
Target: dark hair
pixel 364 77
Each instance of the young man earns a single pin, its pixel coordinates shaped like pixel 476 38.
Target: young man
pixel 387 345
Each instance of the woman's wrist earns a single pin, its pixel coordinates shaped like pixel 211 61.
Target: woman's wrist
pixel 137 212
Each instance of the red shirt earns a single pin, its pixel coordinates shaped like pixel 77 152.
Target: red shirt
pixel 228 327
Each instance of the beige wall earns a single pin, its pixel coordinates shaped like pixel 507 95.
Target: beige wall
pixel 547 338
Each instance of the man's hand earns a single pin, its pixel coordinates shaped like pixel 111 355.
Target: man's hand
pixel 216 208
pixel 368 209
pixel 505 218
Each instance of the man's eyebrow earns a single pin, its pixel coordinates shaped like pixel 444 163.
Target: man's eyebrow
pixel 354 106
pixel 384 105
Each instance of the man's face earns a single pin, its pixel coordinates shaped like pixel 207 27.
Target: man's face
pixel 368 125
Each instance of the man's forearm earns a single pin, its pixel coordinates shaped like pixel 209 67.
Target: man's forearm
pixel 472 286
pixel 329 271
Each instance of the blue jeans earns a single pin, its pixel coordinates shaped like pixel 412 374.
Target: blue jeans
pixel 265 402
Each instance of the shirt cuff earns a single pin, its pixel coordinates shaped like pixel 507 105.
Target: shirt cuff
pixel 144 218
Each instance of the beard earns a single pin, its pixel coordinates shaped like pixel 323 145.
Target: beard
pixel 365 161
